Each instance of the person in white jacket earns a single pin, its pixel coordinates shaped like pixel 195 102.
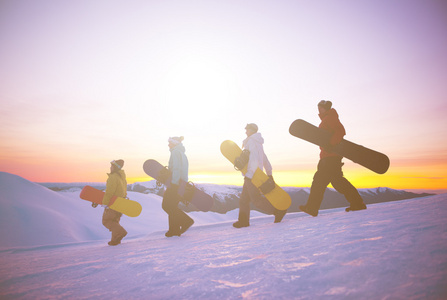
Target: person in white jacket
pixel 250 193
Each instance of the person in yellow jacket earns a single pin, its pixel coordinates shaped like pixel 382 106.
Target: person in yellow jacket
pixel 116 186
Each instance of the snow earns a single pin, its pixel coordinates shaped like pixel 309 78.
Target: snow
pixel 394 250
pixel 219 192
pixel 41 216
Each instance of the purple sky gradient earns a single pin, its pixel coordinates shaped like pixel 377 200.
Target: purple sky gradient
pixel 98 80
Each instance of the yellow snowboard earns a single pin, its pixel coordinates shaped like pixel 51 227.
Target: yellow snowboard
pixel 125 206
pixel 277 196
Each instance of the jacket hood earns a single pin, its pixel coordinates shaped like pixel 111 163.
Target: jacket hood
pixel 332 113
pixel 179 147
pixel 256 137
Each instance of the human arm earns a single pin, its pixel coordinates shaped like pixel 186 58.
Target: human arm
pixel 176 163
pixel 268 166
pixel 111 186
pixel 252 164
pixel 339 133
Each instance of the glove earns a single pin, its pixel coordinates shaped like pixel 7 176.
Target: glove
pixel 174 188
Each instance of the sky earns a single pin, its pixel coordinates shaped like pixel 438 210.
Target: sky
pixel 86 82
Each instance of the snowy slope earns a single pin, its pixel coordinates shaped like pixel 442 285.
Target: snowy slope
pixel 393 250
pixel 32 215
pixel 41 216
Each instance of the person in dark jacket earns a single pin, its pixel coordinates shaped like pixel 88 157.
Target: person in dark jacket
pixel 116 186
pixel 329 167
pixel 179 221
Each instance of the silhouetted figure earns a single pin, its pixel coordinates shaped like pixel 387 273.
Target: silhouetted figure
pixel 116 186
pixel 179 221
pixel 250 193
pixel 329 166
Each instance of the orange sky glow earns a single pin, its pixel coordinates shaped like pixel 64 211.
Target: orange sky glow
pixel 81 85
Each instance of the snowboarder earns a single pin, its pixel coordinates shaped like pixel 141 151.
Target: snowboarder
pixel 329 167
pixel 257 159
pixel 116 186
pixel 179 221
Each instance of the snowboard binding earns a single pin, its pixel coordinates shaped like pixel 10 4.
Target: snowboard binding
pixel 189 193
pixel 241 161
pixel 268 186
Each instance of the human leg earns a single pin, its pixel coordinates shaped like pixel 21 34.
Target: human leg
pixel 110 220
pixel 320 182
pixel 343 186
pixel 170 206
pixel 179 221
pixel 262 203
pixel 244 208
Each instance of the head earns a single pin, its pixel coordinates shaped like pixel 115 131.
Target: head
pixel 116 165
pixel 174 141
pixel 324 106
pixel 251 129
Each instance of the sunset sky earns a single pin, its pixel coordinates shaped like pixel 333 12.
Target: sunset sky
pixel 85 82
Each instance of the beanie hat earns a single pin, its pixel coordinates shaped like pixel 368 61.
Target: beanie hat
pixel 118 163
pixel 176 140
pixel 252 126
pixel 327 105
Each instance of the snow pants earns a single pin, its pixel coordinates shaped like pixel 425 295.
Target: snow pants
pixel 329 171
pixel 177 217
pixel 111 221
pixel 250 193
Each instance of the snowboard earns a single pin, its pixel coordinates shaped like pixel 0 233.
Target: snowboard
pixel 279 198
pixel 370 159
pixel 187 191
pixel 125 206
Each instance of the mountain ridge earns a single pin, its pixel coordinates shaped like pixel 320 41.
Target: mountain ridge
pixel 226 197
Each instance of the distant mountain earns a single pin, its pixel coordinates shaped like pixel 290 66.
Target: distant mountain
pixel 226 197
pixel 333 199
pixel 72 186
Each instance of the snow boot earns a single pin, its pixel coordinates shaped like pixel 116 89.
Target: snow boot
pixel 279 215
pixel 356 207
pixel 240 224
pixel 118 239
pixel 186 226
pixel 243 220
pixel 308 211
pixel 172 233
